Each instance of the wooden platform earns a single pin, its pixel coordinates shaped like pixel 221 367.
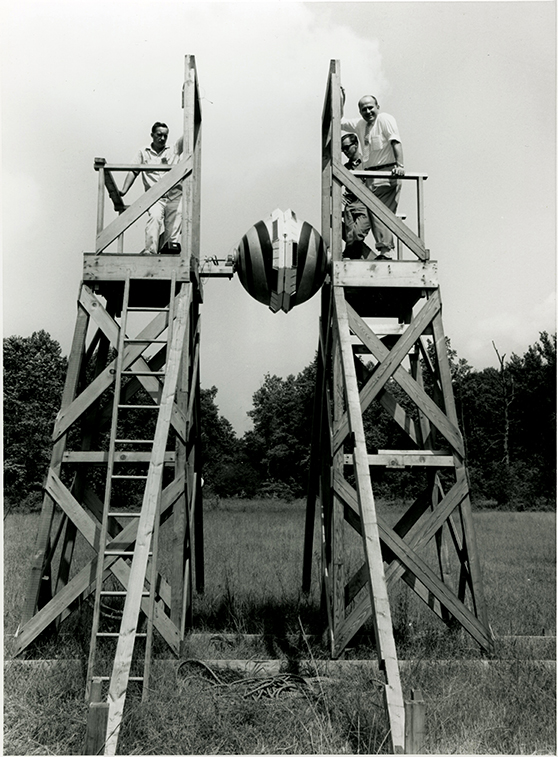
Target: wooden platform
pixel 385 288
pixel 115 267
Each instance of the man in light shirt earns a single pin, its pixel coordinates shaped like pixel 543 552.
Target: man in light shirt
pixel 381 150
pixel 166 214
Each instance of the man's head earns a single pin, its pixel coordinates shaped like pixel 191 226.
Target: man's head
pixel 349 145
pixel 368 108
pixel 159 134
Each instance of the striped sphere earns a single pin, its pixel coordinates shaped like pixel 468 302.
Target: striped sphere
pixel 287 280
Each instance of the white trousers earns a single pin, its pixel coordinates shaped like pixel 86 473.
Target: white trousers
pixel 165 217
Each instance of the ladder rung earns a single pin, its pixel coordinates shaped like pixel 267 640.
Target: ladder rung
pixel 143 373
pixel 133 441
pixel 138 407
pixel 121 552
pixel 123 515
pixel 113 634
pixel 130 678
pixel 119 593
pixel 121 476
pixel 148 310
pixel 145 341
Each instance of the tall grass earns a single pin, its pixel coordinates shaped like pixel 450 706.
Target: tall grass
pixel 253 577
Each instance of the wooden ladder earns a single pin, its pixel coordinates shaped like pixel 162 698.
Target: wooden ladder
pixel 139 592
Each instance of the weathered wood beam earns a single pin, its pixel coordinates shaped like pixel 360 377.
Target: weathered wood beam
pixel 386 274
pixel 381 615
pixel 407 459
pixel 113 266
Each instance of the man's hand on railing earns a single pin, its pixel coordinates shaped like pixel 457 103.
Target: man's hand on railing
pixel 398 170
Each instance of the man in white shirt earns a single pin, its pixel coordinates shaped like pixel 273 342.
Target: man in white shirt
pixel 166 214
pixel 381 149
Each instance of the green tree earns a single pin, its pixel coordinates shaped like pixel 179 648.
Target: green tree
pixel 279 445
pixel 225 467
pixel 34 371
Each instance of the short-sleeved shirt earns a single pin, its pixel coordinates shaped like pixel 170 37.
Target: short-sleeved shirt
pixel 169 156
pixel 375 141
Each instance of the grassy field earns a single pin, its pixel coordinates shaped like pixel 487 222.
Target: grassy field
pixel 253 575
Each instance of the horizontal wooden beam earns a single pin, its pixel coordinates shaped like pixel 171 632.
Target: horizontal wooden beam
pixel 386 273
pixel 136 167
pixel 101 457
pixel 406 460
pixel 112 266
pixel 388 175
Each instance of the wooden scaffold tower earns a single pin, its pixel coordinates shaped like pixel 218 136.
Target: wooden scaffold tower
pixel 378 319
pixel 126 446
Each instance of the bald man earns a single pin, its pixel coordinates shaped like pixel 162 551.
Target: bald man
pixel 381 149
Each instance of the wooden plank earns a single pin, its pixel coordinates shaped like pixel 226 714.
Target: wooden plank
pixel 96 729
pixel 470 545
pixel 140 206
pixel 401 231
pixel 338 518
pixel 335 156
pixel 407 459
pixel 415 716
pixel 112 266
pixel 189 94
pixel 399 415
pixel 100 457
pixel 179 524
pixel 313 478
pixel 125 645
pixel 444 375
pixel 379 600
pixel 386 273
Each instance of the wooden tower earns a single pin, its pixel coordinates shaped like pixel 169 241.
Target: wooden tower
pixel 377 320
pixel 126 445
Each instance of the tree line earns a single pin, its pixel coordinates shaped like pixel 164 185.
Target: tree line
pixel 507 416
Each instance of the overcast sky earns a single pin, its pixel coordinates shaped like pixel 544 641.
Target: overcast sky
pixel 472 86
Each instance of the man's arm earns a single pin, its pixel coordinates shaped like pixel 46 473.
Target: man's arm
pixel 399 169
pixel 128 181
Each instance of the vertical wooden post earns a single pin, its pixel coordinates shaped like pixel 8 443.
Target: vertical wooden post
pixel 191 184
pixel 96 720
pixel 338 515
pixel 420 209
pixel 414 723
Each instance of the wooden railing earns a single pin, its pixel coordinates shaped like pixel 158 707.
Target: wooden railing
pixel 335 176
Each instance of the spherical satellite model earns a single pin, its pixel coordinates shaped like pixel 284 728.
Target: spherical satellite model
pixel 281 261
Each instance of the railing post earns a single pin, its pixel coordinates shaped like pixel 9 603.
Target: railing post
pixel 100 167
pixel 420 207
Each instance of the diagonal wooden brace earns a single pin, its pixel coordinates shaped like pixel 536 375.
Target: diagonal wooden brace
pixel 139 207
